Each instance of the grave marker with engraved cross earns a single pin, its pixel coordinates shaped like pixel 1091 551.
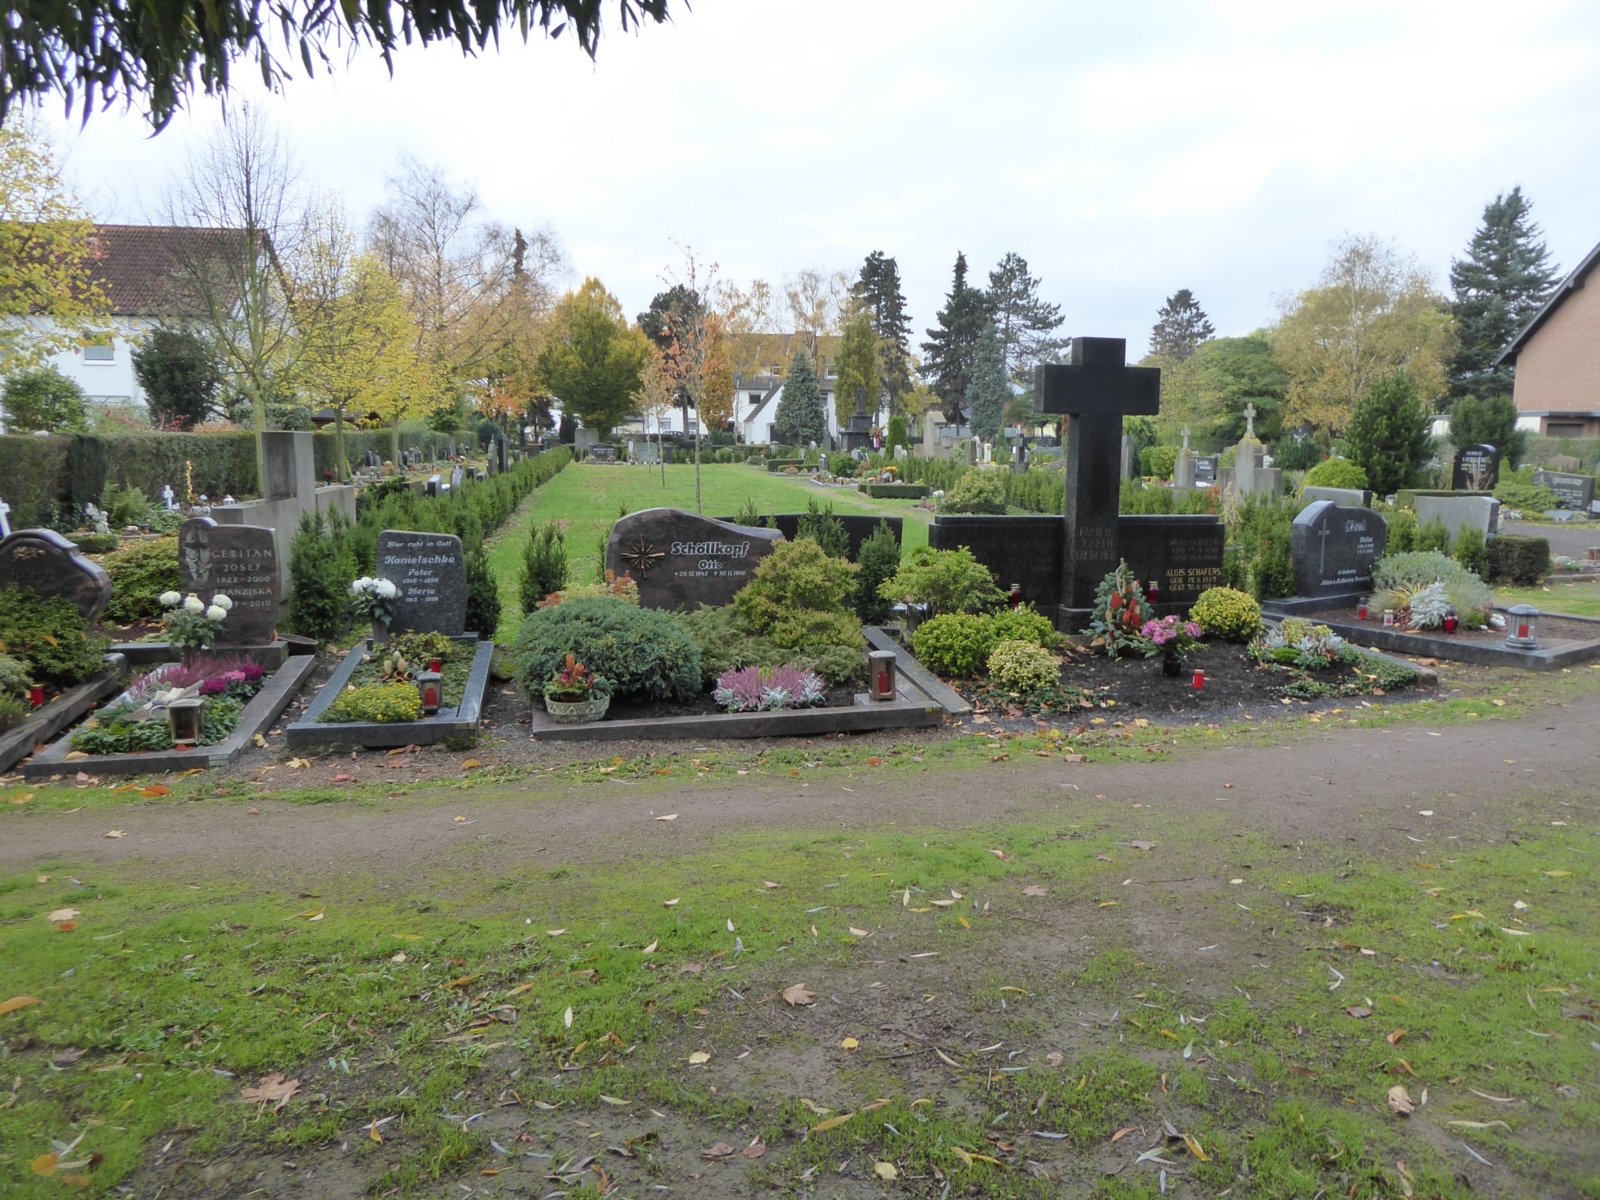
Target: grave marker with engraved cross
pixel 1095 389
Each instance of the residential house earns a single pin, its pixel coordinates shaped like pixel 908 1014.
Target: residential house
pixel 1557 357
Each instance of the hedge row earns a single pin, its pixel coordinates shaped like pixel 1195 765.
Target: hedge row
pixel 894 491
pixel 48 480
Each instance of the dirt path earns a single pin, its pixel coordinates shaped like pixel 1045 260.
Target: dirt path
pixel 1345 783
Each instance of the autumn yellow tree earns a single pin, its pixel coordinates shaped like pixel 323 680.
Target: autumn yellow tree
pixel 1372 313
pixel 49 298
pixel 654 398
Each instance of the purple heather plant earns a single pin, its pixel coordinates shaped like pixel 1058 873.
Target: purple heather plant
pixel 751 689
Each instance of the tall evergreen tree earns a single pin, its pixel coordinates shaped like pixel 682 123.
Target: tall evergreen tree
pixel 953 342
pixel 800 418
pixel 856 366
pixel 1491 421
pixel 1024 324
pixel 1504 280
pixel 1181 325
pixel 1388 433
pixel 180 375
pixel 989 391
pixel 877 291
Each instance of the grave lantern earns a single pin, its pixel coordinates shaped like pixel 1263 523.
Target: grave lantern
pixel 36 695
pixel 1522 624
pixel 186 720
pixel 881 674
pixel 428 687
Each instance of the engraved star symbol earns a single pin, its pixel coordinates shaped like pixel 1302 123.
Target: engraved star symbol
pixel 641 556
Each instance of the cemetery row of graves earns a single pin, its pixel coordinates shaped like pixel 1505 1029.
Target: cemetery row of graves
pixel 172 651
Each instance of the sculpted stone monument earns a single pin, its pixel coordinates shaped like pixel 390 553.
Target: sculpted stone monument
pixel 681 561
pixel 47 564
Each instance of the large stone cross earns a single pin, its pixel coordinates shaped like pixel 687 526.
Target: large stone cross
pixel 1095 389
pixel 1250 420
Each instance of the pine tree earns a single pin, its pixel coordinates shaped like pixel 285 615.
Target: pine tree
pixel 989 391
pixel 1491 421
pixel 1024 324
pixel 1388 433
pixel 800 419
pixel 877 291
pixel 1504 280
pixel 953 343
pixel 1181 325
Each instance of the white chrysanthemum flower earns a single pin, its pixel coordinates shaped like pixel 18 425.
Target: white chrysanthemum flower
pixel 387 589
pixel 217 613
pixel 194 604
pixel 171 599
pixel 222 602
pixel 359 587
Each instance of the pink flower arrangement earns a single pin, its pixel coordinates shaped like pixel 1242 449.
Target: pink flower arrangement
pixel 1168 635
pixel 751 689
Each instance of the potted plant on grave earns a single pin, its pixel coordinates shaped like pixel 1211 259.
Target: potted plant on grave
pixel 1171 639
pixel 191 623
pixel 575 693
pixel 375 599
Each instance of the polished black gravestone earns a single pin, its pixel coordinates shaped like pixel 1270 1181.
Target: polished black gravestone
pixel 1334 548
pixel 681 561
pixel 1574 492
pixel 1181 555
pixel 431 573
pixel 1094 389
pixel 239 562
pixel 1206 469
pixel 1476 469
pixel 45 563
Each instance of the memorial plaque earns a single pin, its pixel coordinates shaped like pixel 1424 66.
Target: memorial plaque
pixel 681 561
pixel 1205 469
pixel 1476 469
pixel 1333 548
pixel 1181 555
pixel 241 563
pixel 47 564
pixel 1575 492
pixel 431 573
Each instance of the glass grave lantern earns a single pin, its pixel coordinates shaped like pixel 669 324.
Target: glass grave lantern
pixel 1522 627
pixel 429 687
pixel 186 720
pixel 881 674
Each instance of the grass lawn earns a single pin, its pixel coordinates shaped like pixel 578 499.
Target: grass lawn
pixel 587 498
pixel 1574 599
pixel 973 1001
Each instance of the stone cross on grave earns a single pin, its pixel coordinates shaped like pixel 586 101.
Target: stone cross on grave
pixel 1095 389
pixel 1249 420
pixel 1185 437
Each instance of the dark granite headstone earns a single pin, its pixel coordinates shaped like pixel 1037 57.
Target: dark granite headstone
pixel 681 561
pixel 431 573
pixel 1476 469
pixel 1206 467
pixel 1334 548
pixel 45 563
pixel 602 454
pixel 1575 492
pixel 240 562
pixel 1095 389
pixel 1025 551
pixel 1182 555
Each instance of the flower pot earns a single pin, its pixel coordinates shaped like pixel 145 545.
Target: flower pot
pixel 380 632
pixel 1172 664
pixel 575 712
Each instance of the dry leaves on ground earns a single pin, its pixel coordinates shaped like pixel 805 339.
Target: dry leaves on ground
pixel 797 995
pixel 273 1089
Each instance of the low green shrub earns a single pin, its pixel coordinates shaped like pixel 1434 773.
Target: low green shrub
pixel 976 492
pixel 1471 550
pixel 947 581
pixel 1227 613
pixel 544 565
pixel 820 525
pixel 49 637
pixel 1025 623
pixel 13 711
pixel 1516 489
pixel 13 676
pixel 140 572
pixel 1023 667
pixel 1396 577
pixel 1434 535
pixel 1403 530
pixel 643 652
pixel 1158 461
pixel 956 645
pixel 1337 473
pixel 94 543
pixel 1517 558
pixel 381 702
pixel 879 559
pixel 796 576
pixel 839 665
pixel 894 491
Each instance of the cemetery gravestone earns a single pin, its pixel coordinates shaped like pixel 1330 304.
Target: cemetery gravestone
pixel 680 560
pixel 1095 389
pixel 239 562
pixel 431 573
pixel 1206 467
pixel 1476 469
pixel 1461 512
pixel 1348 497
pixel 1334 548
pixel 47 564
pixel 1574 492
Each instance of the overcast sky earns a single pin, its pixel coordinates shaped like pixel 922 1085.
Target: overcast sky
pixel 1124 150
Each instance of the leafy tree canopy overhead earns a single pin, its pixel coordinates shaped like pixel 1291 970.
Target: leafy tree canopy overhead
pixel 102 52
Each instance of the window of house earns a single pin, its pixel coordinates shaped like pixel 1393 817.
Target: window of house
pixel 1563 428
pixel 100 352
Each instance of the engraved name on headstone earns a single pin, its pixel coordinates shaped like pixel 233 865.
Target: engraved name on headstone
pixel 431 573
pixel 1333 548
pixel 681 561
pixel 241 563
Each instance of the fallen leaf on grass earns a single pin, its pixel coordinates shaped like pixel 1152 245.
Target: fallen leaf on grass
pixel 831 1123
pixel 620 1103
pixel 967 1157
pixel 698 1057
pixel 854 932
pixel 673 903
pixel 299 764
pixel 471 764
pixel 273 1089
pixel 252 811
pixel 769 885
pixel 885 1171
pixel 1000 854
pixel 566 1017
pixel 674 817
pixel 797 995
pixel 1141 844
pixel 1033 889
pixel 17 1004
pixel 116 833
pixel 155 790
pixel 1400 1102
pixel 1480 1125
pixel 1195 1148
pixel 1394 1038
pixel 1121 1133
pixel 63 914
pixel 717 1152
pixel 848 1044
pixel 755 1149
pixel 1359 1011
pixel 45 1165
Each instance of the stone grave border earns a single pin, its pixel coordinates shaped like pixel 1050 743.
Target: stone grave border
pixel 46 724
pixel 264 708
pixel 921 702
pixel 1442 645
pixel 460 722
